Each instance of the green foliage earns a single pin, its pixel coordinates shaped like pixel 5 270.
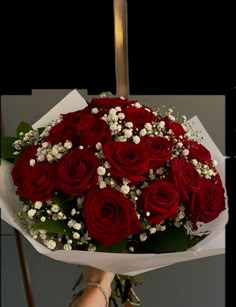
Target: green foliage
pixel 52 226
pixel 118 247
pixel 40 130
pixel 23 127
pixel 171 240
pixel 7 149
pixel 65 202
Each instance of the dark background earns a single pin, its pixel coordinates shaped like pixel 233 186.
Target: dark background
pixel 172 50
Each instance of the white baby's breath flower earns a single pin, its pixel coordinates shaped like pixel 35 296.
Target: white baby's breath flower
pixel 112 111
pixel 101 171
pixel 143 237
pixel 76 235
pixel 127 133
pixel 60 215
pixel 185 152
pixel 98 146
pixel 42 231
pixel 171 117
pixel 55 208
pixel 49 157
pixel 41 158
pixel 94 110
pixel 43 236
pixel 77 226
pixel 43 219
pixel 51 244
pixel 32 162
pixel 73 211
pixel 122 139
pixel 37 204
pixel 102 184
pixel 31 213
pixel 214 162
pixel 125 189
pixel 67 247
pixel 113 127
pixel 210 172
pixel 107 164
pixel 91 248
pixel 194 162
pixel 137 105
pixel 161 124
pixel 163 227
pixel 121 115
pixel 152 230
pixel 160 171
pixel 179 144
pixel 71 223
pixel 148 126
pixel 79 200
pixel 118 109
pixel 68 144
pixel 136 139
pixel 199 171
pixel 55 150
pixel 58 156
pixel 143 132
pixel 181 215
pixel 45 144
pixel 129 125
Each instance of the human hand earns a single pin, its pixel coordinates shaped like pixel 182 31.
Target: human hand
pixel 94 275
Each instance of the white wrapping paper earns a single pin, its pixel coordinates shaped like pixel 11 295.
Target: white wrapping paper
pixel 130 264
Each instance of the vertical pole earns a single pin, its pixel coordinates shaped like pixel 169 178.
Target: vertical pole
pixel 24 270
pixel 22 258
pixel 121 50
pixel 121 53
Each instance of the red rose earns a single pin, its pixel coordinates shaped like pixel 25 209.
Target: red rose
pixel 138 116
pixel 158 150
pixel 185 177
pixel 174 126
pixel 91 130
pixel 22 164
pixel 161 199
pixel 206 204
pixel 197 151
pixel 77 172
pixel 38 182
pixel 128 160
pixel 76 115
pixel 109 216
pixel 62 132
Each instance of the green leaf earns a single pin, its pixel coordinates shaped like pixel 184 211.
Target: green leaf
pixel 52 226
pixel 65 202
pixel 171 240
pixel 23 127
pixel 193 240
pixel 40 130
pixel 6 148
pixel 118 247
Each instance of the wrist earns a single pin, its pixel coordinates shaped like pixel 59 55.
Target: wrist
pixel 97 287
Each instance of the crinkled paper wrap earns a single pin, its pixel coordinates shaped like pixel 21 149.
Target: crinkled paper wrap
pixel 130 264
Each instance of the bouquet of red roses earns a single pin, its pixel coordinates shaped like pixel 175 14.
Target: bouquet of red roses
pixel 113 176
